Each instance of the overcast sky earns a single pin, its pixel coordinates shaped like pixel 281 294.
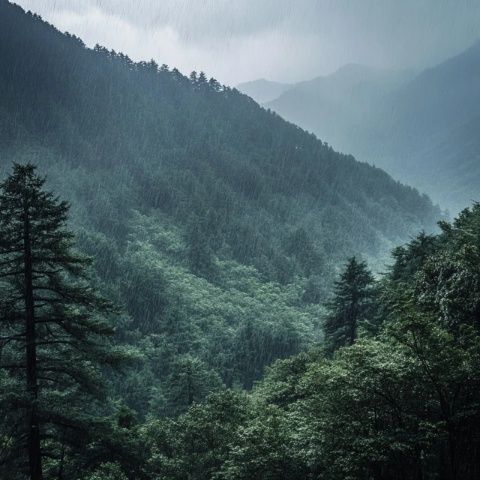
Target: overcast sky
pixel 283 40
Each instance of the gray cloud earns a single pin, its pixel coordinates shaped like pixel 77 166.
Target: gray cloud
pixel 286 40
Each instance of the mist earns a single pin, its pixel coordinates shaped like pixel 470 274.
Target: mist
pixel 283 40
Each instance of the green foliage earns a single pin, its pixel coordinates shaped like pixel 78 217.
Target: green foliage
pixel 196 444
pixel 218 228
pixel 53 330
pixel 216 225
pixel 264 449
pixel 190 382
pixel 352 308
pixel 107 471
pixel 403 403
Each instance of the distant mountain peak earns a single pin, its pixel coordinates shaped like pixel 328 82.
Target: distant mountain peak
pixel 263 90
pixel 411 123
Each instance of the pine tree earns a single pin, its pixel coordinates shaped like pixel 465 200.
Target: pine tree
pixel 53 327
pixel 202 78
pixel 194 77
pixel 352 305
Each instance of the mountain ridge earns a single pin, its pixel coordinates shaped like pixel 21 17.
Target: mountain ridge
pixel 394 127
pixel 263 90
pixel 215 224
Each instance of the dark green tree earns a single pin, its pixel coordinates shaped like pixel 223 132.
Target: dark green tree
pixel 190 382
pixel 194 77
pixel 199 253
pixel 352 305
pixel 300 246
pixel 53 328
pixel 195 444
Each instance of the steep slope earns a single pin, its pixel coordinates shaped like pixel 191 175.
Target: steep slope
pixel 215 223
pixel 420 129
pixel 439 98
pixel 338 107
pixel 447 165
pixel 263 91
pixel 429 129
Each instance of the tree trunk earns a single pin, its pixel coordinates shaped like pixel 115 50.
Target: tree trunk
pixel 34 452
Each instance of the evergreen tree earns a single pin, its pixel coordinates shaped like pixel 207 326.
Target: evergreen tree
pixel 194 77
pixel 52 328
pixel 190 382
pixel 199 252
pixel 352 305
pixel 202 78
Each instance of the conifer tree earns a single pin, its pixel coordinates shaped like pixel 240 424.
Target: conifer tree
pixel 53 328
pixel 352 305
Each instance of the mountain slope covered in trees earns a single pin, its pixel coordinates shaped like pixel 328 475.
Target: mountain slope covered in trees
pixel 393 393
pixel 420 128
pixel 217 232
pixel 400 402
pixel 216 225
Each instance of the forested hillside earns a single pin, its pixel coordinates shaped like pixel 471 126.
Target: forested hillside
pixel 392 393
pixel 216 229
pixel 419 127
pixel 211 220
pixel 400 402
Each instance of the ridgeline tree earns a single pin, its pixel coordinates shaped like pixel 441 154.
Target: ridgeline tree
pixel 352 306
pixel 53 329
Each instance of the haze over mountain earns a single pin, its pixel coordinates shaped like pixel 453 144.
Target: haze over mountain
pixel 195 187
pixel 419 127
pixel 283 40
pixel 428 131
pixel 338 107
pixel 199 289
pixel 262 90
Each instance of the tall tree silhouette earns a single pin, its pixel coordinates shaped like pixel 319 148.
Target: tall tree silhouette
pixel 351 306
pixel 53 323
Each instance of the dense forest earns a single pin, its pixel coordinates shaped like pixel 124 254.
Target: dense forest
pixel 393 392
pixel 203 299
pixel 215 225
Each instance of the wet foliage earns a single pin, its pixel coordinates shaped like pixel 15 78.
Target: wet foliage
pixel 218 231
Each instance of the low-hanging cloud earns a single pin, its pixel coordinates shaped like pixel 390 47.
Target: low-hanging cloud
pixel 285 40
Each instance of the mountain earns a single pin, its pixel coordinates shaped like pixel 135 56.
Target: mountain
pixel 429 130
pixel 262 90
pixel 214 223
pixel 420 128
pixel 337 107
pixel 438 99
